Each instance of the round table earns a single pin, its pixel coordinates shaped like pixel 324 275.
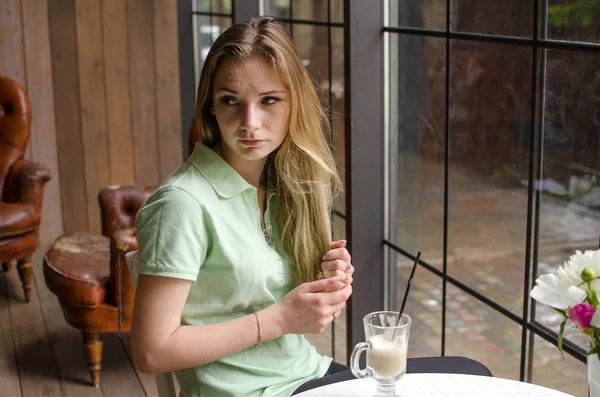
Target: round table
pixel 438 385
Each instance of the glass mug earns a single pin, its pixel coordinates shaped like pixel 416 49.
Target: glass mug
pixel 386 358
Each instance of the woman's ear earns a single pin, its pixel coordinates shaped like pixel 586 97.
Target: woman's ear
pixel 212 109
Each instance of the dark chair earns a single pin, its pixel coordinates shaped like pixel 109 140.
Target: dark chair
pixel 21 185
pixel 447 365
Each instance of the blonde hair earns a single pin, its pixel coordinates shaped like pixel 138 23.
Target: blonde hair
pixel 302 169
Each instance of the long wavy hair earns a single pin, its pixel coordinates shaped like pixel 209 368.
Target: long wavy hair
pixel 302 170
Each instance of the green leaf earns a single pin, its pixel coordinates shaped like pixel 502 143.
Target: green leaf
pixel 587 18
pixel 594 350
pixel 592 297
pixel 563 312
pixel 576 12
pixel 595 339
pixel 558 16
pixel 561 335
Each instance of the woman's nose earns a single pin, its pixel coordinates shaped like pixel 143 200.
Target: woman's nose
pixel 251 119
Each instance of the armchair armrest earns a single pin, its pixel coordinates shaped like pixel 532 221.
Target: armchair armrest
pixel 120 289
pixel 25 183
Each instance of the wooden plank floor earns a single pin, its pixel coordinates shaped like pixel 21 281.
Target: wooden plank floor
pixel 41 355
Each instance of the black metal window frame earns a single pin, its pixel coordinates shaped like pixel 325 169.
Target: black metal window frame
pixel 241 10
pixel 539 46
pixel 291 21
pixel 365 167
pixel 329 24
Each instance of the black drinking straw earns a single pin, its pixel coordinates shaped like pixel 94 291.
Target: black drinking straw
pixel 410 280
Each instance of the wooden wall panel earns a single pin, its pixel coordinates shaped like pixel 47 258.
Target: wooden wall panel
pixel 167 86
pixel 12 61
pixel 143 91
pixel 102 77
pixel 68 114
pixel 94 131
pixel 43 127
pixel 118 98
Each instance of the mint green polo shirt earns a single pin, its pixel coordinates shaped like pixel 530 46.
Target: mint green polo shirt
pixel 203 225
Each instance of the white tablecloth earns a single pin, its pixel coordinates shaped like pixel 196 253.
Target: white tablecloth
pixel 438 385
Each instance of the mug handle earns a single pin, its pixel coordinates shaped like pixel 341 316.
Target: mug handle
pixel 354 364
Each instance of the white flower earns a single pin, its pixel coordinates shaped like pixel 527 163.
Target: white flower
pixel 570 272
pixel 596 319
pixel 556 292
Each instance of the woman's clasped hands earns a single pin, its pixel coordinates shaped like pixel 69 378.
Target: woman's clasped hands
pixel 310 307
pixel 337 263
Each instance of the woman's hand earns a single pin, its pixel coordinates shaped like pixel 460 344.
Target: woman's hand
pixel 309 308
pixel 337 263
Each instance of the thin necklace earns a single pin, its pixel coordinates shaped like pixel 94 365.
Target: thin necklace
pixel 263 226
pixel 265 233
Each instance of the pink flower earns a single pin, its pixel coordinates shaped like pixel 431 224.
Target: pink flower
pixel 581 314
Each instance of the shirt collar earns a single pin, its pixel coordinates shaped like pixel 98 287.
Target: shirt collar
pixel 225 181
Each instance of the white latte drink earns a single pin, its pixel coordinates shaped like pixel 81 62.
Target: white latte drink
pixel 387 358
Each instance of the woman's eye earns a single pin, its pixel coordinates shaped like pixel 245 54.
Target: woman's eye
pixel 270 100
pixel 228 100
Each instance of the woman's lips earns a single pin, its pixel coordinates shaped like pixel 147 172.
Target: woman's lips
pixel 251 142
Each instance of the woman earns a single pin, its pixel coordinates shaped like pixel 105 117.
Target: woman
pixel 235 256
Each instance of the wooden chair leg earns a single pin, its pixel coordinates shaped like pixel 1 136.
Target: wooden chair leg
pixel 93 354
pixel 26 275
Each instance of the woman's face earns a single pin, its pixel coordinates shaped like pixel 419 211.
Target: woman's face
pixel 252 107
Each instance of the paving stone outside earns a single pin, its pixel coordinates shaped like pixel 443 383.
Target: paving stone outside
pixel 486 251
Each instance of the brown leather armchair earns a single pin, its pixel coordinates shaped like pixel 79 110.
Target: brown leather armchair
pixel 89 275
pixel 97 298
pixel 21 184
